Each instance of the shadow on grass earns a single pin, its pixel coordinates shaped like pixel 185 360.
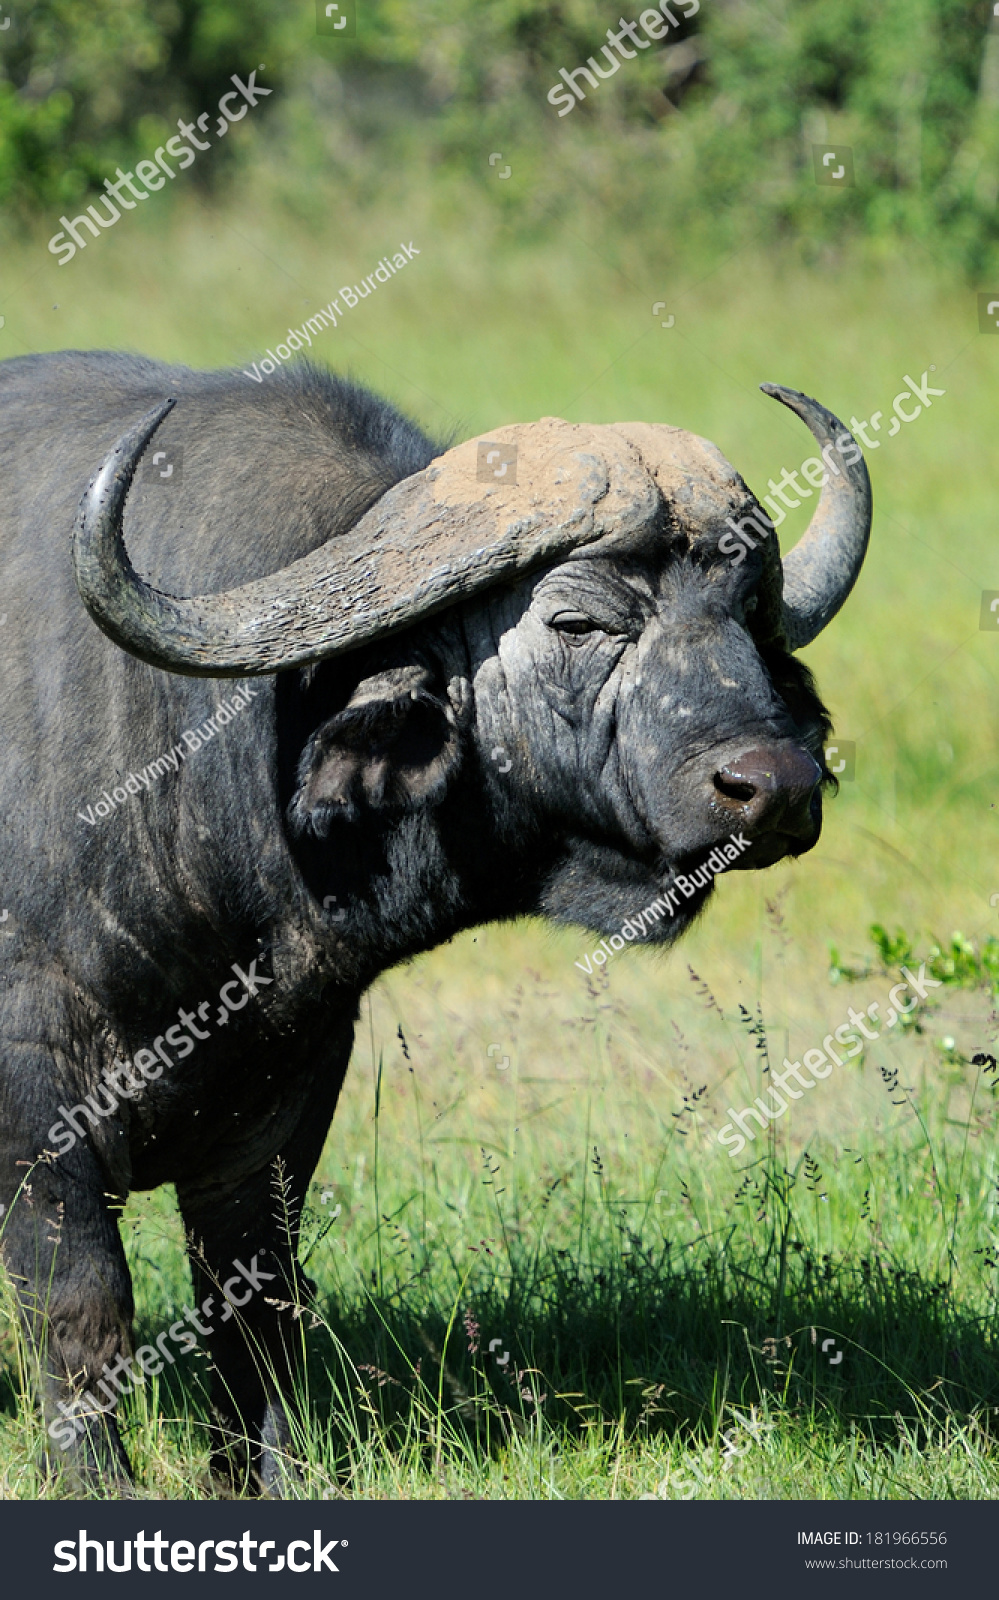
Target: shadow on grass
pixel 661 1342
pixel 665 1343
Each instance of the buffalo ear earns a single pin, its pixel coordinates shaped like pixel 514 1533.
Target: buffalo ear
pixel 394 745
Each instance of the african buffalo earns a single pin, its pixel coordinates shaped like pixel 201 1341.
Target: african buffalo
pixel 170 835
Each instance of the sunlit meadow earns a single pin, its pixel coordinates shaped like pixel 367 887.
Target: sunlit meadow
pixel 539 1273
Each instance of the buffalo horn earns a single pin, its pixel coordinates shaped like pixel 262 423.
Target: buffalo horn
pixel 436 537
pixel 800 595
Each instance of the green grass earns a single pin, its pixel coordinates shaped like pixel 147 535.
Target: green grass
pixel 576 1202
pixel 661 1312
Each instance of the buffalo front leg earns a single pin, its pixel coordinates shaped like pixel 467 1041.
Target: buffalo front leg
pixel 64 1256
pixel 248 1286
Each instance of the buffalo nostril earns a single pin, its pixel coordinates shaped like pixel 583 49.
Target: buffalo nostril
pixel 771 784
pixel 734 788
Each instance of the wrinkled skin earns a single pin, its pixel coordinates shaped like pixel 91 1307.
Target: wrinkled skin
pixel 616 692
pixel 616 688
pixel 646 682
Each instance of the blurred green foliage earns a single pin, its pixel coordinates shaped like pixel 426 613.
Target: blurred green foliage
pixel 956 961
pixel 708 132
pixel 84 87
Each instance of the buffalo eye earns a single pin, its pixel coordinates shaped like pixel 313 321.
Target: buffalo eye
pixel 574 624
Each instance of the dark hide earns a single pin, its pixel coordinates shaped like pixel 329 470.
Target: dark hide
pixel 618 689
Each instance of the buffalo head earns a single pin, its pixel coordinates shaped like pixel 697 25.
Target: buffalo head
pixel 570 662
